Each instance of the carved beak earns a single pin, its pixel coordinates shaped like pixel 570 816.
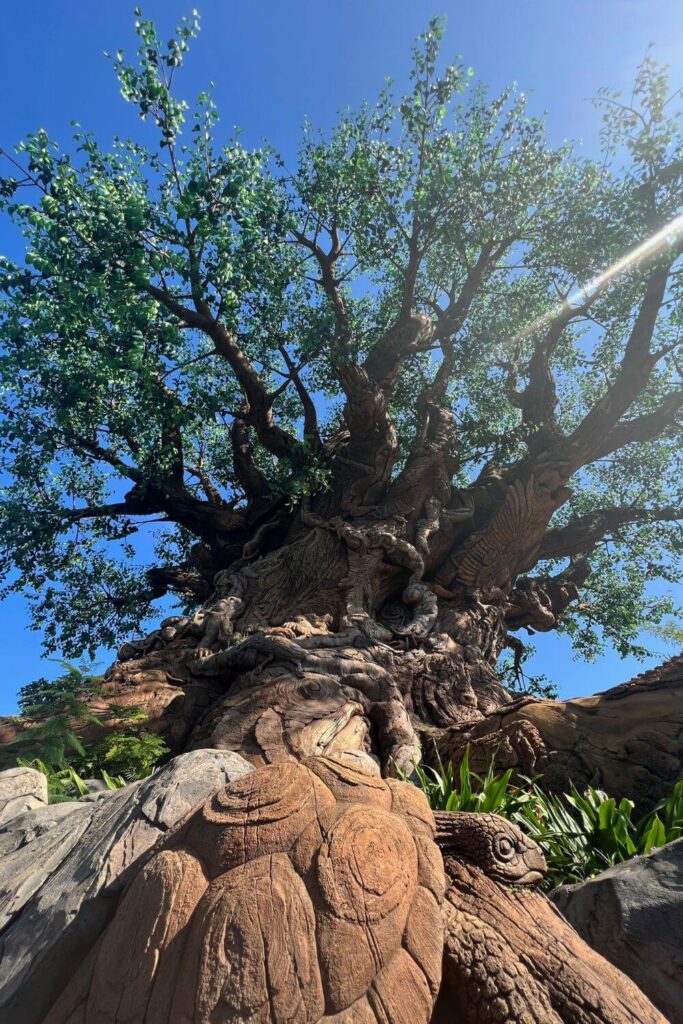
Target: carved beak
pixel 536 866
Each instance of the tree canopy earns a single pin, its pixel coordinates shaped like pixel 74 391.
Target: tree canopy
pixel 203 338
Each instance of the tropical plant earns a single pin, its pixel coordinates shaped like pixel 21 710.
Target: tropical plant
pixel 52 713
pixel 50 737
pixel 65 784
pixel 128 754
pixel 580 833
pixel 464 791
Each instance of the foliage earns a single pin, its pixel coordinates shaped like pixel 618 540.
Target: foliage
pixel 580 834
pixel 120 393
pixel 50 737
pixel 132 755
pixel 65 784
pixel 511 673
pixel 465 791
pixel 53 711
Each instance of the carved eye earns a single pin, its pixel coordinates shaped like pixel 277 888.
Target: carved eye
pixel 505 848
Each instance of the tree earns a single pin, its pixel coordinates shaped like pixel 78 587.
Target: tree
pixel 388 405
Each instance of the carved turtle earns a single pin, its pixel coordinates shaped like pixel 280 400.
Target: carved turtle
pixel 305 892
pixel 313 892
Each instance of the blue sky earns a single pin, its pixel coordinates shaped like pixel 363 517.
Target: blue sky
pixel 273 64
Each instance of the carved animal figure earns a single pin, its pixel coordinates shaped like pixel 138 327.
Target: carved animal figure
pixel 502 851
pixel 304 892
pixel 313 892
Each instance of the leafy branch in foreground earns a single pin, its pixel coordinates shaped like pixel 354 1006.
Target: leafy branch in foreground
pixel 65 784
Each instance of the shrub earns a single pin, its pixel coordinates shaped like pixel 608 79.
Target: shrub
pixel 580 834
pixel 50 741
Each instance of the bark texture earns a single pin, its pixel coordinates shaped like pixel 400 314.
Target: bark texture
pixel 511 957
pixel 305 892
pixel 627 740
pixel 315 891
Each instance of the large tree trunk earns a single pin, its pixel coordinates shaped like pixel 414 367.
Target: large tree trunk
pixel 330 643
pixel 308 650
pixel 327 645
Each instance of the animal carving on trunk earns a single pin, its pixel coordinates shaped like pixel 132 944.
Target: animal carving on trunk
pixel 314 893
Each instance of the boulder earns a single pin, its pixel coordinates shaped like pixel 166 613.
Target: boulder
pixel 21 789
pixel 63 866
pixel 633 915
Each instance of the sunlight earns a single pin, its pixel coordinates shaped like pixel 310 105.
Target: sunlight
pixel 651 247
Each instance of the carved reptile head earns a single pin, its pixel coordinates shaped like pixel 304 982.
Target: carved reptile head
pixel 494 844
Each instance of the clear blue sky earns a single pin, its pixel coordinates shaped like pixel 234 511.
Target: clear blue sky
pixel 275 63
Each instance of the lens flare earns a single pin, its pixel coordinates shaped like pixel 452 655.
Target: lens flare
pixel 666 237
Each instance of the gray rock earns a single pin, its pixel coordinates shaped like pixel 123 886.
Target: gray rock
pixel 21 789
pixel 63 866
pixel 96 786
pixel 633 915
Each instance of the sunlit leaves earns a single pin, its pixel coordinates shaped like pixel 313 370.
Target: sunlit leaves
pixel 106 392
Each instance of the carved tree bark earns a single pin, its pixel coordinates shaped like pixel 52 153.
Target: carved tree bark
pixel 628 740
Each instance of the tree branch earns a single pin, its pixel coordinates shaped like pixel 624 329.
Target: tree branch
pixel 633 374
pixel 181 579
pixel 260 413
pixel 252 479
pixel 311 433
pixel 583 533
pixel 642 428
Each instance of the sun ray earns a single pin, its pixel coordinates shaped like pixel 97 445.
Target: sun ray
pixel 666 237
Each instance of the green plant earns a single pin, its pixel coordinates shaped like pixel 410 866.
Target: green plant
pixel 130 754
pixel 65 784
pixel 580 833
pixel 51 737
pixel 51 713
pixel 467 791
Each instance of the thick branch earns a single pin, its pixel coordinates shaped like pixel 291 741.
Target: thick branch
pixel 180 579
pixel 311 433
pixel 252 479
pixel 209 488
pixel 260 413
pixel 538 603
pixel 643 428
pixel 584 532
pixel 414 332
pixel 633 374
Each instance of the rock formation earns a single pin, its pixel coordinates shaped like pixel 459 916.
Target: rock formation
pixel 627 740
pixel 62 868
pixel 510 957
pixel 632 914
